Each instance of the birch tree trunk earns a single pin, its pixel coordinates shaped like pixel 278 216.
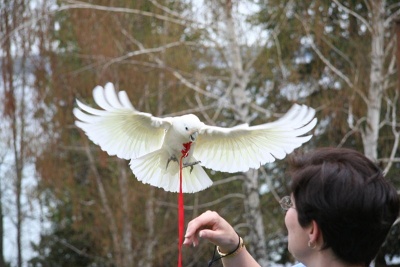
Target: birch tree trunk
pixel 238 85
pixel 2 261
pixel 126 250
pixel 14 106
pixel 151 241
pixel 254 218
pixel 375 91
pixel 150 214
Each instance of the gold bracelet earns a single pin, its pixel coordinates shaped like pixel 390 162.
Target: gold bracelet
pixel 235 251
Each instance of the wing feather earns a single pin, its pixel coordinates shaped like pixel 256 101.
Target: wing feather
pixel 99 98
pixel 243 147
pixel 123 97
pixel 111 96
pixel 119 129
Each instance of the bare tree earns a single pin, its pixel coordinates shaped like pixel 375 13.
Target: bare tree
pixel 14 108
pixel 2 260
pixel 241 70
pixel 380 87
pixel 367 74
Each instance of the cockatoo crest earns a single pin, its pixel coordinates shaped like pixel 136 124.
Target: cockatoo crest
pixel 153 144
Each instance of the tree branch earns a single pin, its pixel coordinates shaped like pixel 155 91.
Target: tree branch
pixel 354 14
pixel 354 129
pixel 270 185
pixel 167 10
pixel 104 200
pixel 338 51
pixel 396 134
pixel 321 56
pixel 278 50
pixel 174 72
pixel 145 51
pixel 204 205
pixel 391 18
pixel 83 5
pixel 77 250
pixel 228 180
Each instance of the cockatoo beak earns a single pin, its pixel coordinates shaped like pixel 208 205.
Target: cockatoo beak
pixel 193 136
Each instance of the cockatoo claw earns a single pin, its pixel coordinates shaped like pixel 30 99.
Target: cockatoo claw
pixel 191 164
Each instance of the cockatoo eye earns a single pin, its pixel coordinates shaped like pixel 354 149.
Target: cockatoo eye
pixel 186 128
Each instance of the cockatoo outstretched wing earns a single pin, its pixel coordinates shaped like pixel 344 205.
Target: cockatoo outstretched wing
pixel 242 147
pixel 119 129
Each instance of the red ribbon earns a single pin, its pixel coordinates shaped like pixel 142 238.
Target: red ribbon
pixel 181 211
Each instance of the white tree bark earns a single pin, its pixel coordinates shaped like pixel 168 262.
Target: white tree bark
pixel 375 91
pixel 254 218
pixel 238 84
pixel 126 244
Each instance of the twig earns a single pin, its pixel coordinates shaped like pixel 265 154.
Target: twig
pixel 204 205
pixel 322 57
pixel 84 5
pixel 354 14
pixel 396 135
pixel 270 185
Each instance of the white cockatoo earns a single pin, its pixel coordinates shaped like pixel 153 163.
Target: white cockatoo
pixel 154 145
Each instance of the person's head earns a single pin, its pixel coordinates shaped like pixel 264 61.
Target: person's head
pixel 346 195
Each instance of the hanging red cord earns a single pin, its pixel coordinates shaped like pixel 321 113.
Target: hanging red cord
pixel 181 212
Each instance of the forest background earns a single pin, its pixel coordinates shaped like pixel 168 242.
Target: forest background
pixel 64 202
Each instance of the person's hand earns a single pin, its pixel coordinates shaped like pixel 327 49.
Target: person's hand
pixel 213 228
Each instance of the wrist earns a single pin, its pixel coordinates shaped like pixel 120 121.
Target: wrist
pixel 227 248
pixel 237 249
pixel 228 243
pixel 233 251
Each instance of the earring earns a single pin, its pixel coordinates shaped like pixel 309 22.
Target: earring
pixel 312 244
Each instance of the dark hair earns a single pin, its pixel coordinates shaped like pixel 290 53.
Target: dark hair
pixel 346 194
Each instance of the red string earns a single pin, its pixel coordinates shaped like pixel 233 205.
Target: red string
pixel 181 212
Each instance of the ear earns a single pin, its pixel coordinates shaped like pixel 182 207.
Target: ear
pixel 314 233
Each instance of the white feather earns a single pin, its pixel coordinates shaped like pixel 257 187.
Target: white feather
pixel 150 142
pixel 241 148
pixel 152 169
pixel 123 97
pixel 120 130
pixel 111 96
pixel 90 110
pixel 99 98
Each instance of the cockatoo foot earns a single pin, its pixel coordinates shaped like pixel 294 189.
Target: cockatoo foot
pixel 172 158
pixel 191 164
